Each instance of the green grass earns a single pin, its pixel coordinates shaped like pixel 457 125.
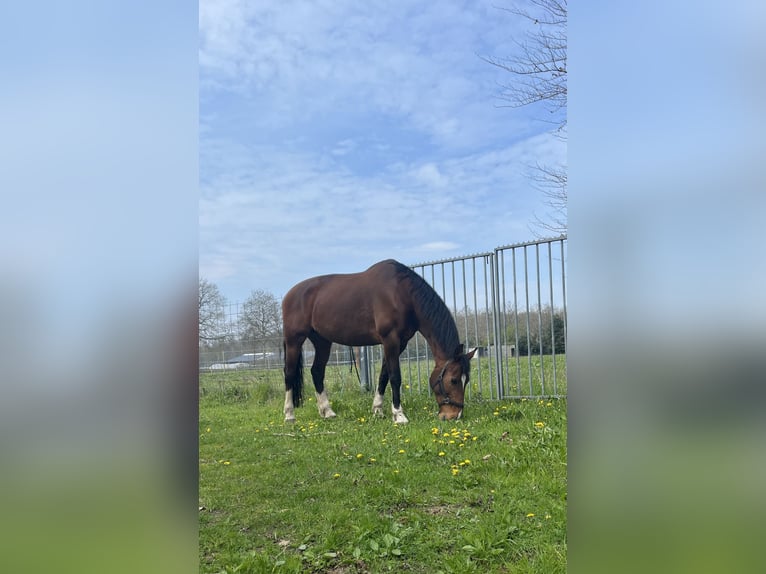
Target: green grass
pixel 360 494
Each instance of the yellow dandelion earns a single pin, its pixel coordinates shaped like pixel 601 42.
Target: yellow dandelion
pixel 226 462
pixel 207 429
pixel 372 459
pixel 401 451
pixel 539 424
pixel 467 461
pixel 452 442
pixel 360 455
pixel 434 430
pixel 441 453
pixel 396 471
pixel 361 419
pixel 530 515
pixel 548 404
pixel 455 472
pixel 336 475
pixel 547 517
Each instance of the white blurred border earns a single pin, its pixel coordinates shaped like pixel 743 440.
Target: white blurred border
pixel 99 258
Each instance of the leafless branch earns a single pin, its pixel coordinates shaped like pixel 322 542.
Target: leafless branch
pixel 541 66
pixel 540 76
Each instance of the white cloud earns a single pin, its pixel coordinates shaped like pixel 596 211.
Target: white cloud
pixel 344 147
pixel 438 246
pixel 415 62
pixel 335 134
pixel 429 175
pixel 281 213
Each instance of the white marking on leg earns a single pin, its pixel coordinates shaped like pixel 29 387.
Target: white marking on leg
pixel 399 417
pixel 377 404
pixel 289 412
pixel 323 403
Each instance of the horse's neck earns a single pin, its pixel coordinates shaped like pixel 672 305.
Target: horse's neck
pixel 440 354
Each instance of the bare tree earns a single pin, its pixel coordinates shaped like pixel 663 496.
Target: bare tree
pixel 261 317
pixel 540 77
pixel 211 312
pixel 552 183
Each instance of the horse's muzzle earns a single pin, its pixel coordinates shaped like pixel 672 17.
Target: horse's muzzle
pixel 451 416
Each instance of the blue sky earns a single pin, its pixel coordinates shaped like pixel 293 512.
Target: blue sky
pixel 335 134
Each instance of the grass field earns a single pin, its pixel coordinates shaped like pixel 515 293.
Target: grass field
pixel 360 494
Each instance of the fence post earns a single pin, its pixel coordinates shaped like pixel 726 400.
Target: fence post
pixel 496 323
pixel 364 369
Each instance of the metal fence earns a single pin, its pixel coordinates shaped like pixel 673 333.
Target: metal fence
pixel 509 303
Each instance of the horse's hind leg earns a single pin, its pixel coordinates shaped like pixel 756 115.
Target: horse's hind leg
pixel 293 376
pixel 321 356
pixel 377 402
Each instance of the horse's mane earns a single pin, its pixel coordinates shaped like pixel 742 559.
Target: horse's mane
pixel 430 307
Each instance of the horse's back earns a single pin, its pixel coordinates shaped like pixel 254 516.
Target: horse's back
pixel 378 277
pixel 344 307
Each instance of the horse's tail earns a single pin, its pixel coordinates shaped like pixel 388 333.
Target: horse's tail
pixel 295 383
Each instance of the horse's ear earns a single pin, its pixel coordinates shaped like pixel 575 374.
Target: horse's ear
pixel 469 354
pixel 458 351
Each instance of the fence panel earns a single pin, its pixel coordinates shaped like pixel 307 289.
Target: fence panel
pixel 530 315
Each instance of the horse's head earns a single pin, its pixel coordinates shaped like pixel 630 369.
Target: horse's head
pixel 448 382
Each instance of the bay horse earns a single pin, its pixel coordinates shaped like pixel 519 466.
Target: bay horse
pixel 386 304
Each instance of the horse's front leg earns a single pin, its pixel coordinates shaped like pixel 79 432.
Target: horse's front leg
pixel 396 405
pixel 395 377
pixel 321 356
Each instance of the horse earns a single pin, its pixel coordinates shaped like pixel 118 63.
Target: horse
pixel 386 304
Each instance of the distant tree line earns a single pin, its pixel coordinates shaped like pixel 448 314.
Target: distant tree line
pixel 546 329
pixel 227 330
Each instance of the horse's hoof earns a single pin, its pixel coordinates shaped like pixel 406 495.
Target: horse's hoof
pixel 400 419
pixel 290 420
pixel 377 412
pixel 328 414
